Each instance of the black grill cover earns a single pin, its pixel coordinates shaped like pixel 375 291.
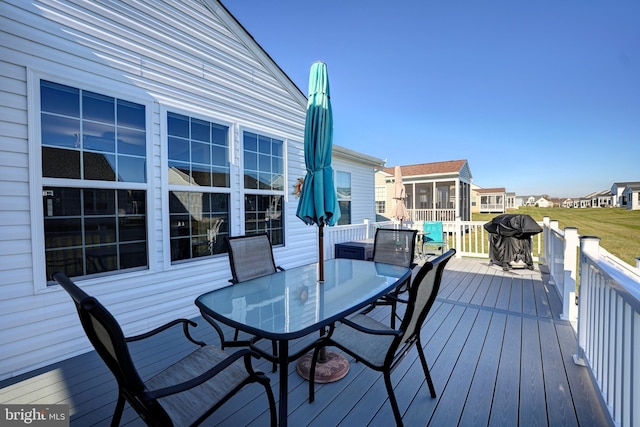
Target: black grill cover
pixel 510 239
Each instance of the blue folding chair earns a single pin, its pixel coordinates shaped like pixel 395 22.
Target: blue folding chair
pixel 433 236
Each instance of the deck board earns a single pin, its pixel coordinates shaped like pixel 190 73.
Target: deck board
pixel 477 406
pixel 534 413
pixel 499 355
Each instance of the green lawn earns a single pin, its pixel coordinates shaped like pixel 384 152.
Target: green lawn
pixel 618 229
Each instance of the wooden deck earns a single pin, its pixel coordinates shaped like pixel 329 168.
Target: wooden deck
pixel 499 355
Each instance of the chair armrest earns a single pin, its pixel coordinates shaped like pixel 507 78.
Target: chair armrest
pixel 185 326
pixel 206 376
pixel 368 330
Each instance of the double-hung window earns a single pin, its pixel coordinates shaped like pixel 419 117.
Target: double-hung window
pixel 381 200
pixel 263 186
pixel 93 181
pixel 343 189
pixel 199 186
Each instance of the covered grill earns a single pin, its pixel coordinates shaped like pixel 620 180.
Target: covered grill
pixel 510 240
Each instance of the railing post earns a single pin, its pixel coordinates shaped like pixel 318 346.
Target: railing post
pixel 571 244
pixel 588 245
pixel 366 224
pixel 457 229
pixel 547 241
pixel 551 258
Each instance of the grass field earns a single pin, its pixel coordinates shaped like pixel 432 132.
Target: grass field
pixel 618 229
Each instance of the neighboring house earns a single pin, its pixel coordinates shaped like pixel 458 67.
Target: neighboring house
pixel 598 199
pixel 538 201
pixel 567 203
pixel 439 191
pixel 490 200
pixel 630 198
pixel 616 192
pixel 543 202
pixel 134 136
pixel 510 201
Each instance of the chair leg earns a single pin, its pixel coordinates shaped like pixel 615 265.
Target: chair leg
pixel 217 328
pixel 272 402
pixel 392 399
pixel 393 315
pixel 117 414
pixel 425 368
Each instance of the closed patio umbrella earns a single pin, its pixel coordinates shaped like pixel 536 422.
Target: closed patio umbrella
pixel 399 211
pixel 318 201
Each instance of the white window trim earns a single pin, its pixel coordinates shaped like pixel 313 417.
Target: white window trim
pixel 243 191
pixel 165 187
pixel 102 86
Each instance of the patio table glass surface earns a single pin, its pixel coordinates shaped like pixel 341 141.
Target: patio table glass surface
pixel 291 304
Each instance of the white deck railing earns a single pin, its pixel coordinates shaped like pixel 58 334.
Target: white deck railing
pixel 607 318
pixel 469 238
pixel 432 214
pixel 609 329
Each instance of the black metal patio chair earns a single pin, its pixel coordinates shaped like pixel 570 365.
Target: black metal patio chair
pixel 382 348
pixel 250 256
pixel 397 247
pixel 187 392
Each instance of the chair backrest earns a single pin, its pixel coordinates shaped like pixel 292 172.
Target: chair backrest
pixel 395 247
pixel 433 231
pixel 250 256
pixel 107 338
pixel 422 294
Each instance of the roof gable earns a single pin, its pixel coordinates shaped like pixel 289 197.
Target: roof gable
pixel 251 44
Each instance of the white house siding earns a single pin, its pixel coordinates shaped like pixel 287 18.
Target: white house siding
pixel 362 186
pixel 178 56
pixel 465 174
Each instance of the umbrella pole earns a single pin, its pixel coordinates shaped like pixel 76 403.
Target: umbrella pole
pixel 321 251
pixel 323 351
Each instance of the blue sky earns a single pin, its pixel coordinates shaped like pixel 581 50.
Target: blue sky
pixel 540 97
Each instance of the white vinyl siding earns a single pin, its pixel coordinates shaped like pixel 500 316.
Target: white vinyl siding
pixel 188 57
pixel 362 188
pixel 174 56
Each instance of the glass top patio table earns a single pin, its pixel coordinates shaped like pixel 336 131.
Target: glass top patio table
pixel 291 304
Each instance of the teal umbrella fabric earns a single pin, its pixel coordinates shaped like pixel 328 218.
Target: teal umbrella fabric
pixel 318 200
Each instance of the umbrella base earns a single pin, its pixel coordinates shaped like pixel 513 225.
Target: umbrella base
pixel 334 369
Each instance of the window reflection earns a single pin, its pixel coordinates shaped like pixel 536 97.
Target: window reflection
pixel 88 137
pixel 94 230
pixel 199 222
pixel 95 125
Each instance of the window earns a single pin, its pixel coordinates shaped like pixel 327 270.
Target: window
pixel 199 177
pixel 343 184
pixel 94 181
pixel 381 199
pixel 264 184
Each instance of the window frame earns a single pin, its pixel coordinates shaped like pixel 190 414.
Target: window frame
pixel 167 187
pixel 380 199
pixel 37 182
pixel 243 191
pixel 343 218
